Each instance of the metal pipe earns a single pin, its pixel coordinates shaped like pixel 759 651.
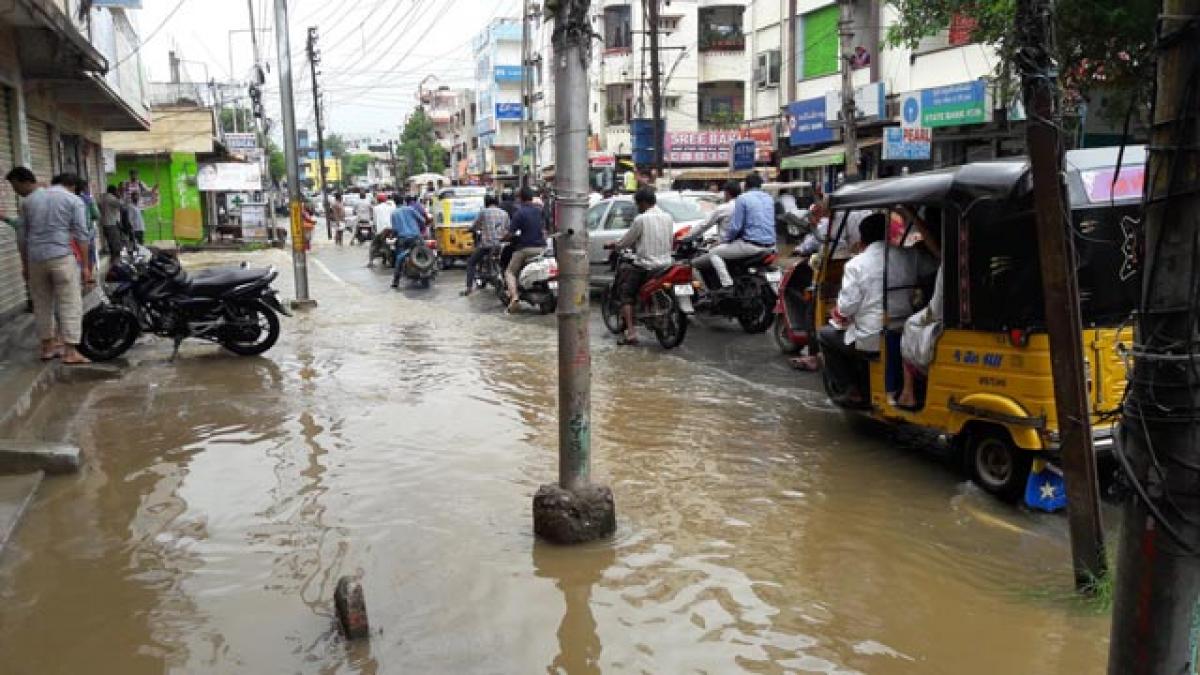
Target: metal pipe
pixel 288 113
pixel 572 50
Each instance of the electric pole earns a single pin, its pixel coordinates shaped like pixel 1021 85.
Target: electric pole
pixel 287 106
pixel 524 142
pixel 849 114
pixel 574 509
pixel 1039 77
pixel 260 125
pixel 314 58
pixel 651 14
pixel 1158 571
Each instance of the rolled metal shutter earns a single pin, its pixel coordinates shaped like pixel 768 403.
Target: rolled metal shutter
pixel 41 151
pixel 12 285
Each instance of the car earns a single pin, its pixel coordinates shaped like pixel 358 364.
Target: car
pixel 609 219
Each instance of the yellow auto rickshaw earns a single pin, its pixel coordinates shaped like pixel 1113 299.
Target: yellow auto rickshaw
pixel 988 390
pixel 454 212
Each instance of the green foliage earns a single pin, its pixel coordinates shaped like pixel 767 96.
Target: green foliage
pixel 419 150
pixel 335 145
pixel 1099 43
pixel 356 165
pixel 276 161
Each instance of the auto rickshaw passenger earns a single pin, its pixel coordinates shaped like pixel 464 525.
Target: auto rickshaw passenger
pixel 921 330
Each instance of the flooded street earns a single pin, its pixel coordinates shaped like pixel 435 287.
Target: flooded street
pixel 401 436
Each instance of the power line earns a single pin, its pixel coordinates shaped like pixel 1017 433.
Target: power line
pixel 148 38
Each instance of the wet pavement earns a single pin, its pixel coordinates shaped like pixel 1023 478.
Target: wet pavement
pixel 400 435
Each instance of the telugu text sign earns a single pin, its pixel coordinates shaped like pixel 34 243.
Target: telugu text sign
pixel 955 105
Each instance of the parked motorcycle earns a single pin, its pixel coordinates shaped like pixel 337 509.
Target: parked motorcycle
pixel 420 263
pixel 750 300
pixel 233 307
pixel 537 284
pixel 794 328
pixel 663 304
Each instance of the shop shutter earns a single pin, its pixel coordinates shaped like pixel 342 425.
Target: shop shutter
pixel 41 151
pixel 12 285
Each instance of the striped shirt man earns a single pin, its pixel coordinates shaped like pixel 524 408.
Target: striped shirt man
pixel 652 237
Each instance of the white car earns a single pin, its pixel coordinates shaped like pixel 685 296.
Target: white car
pixel 609 219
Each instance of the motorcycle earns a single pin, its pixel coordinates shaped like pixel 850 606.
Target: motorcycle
pixel 363 233
pixel 663 304
pixel 794 328
pixel 382 247
pixel 750 300
pixel 537 284
pixel 420 263
pixel 233 307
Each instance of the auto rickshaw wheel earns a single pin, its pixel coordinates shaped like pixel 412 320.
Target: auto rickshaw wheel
pixel 997 464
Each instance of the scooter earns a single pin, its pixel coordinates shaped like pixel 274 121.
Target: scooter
pixel 537 284
pixel 363 233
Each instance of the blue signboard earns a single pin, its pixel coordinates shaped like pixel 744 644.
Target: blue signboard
pixel 508 111
pixel 508 73
pixel 907 143
pixel 742 154
pixel 806 122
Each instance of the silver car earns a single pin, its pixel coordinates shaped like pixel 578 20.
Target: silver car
pixel 609 219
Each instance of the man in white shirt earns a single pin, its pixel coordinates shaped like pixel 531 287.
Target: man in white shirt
pixel 651 236
pixel 720 216
pixel 858 320
pixel 381 213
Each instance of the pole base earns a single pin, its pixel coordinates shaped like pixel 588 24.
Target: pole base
pixel 561 516
pixel 303 304
pixel 351 609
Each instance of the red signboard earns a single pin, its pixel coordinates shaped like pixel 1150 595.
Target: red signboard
pixel 712 147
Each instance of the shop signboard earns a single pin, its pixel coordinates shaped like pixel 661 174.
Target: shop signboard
pixel 508 73
pixel 254 220
pixel 698 147
pixel 228 177
pixel 508 111
pixel 763 134
pixel 907 143
pixel 953 105
pixel 237 142
pixel 742 154
pixel 806 122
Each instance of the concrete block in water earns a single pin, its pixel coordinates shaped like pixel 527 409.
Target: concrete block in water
pixel 563 516
pixel 351 608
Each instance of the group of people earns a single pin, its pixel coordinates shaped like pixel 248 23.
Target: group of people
pixel 521 225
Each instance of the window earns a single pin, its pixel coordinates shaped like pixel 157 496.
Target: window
pixel 622 216
pixel 619 103
pixel 821 42
pixel 669 24
pixel 618 31
pixel 721 29
pixel 721 103
pixel 766 69
pixel 671 102
pixel 595 216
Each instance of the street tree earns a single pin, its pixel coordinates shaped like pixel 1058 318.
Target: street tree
pixel 356 165
pixel 276 161
pixel 1100 45
pixel 419 147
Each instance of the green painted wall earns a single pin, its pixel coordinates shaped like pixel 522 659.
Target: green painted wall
pixel 175 177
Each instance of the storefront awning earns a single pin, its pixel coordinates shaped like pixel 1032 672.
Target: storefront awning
pixel 834 155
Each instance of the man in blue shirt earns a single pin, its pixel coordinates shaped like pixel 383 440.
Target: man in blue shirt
pixel 751 231
pixel 407 223
pixel 528 240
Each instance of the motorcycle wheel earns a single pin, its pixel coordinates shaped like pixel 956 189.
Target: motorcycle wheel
pixel 672 327
pixel 782 340
pixel 108 332
pixel 252 340
pixel 610 311
pixel 548 305
pixel 758 311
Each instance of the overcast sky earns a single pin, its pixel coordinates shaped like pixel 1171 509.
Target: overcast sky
pixel 374 52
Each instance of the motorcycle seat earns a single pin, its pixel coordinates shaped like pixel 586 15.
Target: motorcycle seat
pixel 755 259
pixel 214 284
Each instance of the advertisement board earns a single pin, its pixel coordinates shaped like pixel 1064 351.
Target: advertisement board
pixel 907 143
pixel 228 177
pixel 806 122
pixel 240 141
pixel 698 147
pixel 742 154
pixel 508 111
pixel 508 73
pixel 763 134
pixel 954 105
pixel 254 220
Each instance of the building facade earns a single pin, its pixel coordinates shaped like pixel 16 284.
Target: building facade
pixel 497 54
pixel 68 72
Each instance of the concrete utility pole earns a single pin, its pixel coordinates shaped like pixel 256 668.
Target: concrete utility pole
pixel 849 121
pixel 287 107
pixel 314 58
pixel 525 94
pixel 651 7
pixel 1158 570
pixel 260 125
pixel 1039 77
pixel 574 510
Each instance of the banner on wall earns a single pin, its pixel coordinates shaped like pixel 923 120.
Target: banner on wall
pixel 228 177
pixel 806 122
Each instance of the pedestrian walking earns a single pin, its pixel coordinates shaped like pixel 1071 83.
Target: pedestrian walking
pixel 337 215
pixel 110 222
pixel 137 225
pixel 55 244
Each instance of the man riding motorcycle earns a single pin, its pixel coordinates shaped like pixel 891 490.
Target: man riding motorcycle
pixel 751 231
pixel 528 241
pixel 407 223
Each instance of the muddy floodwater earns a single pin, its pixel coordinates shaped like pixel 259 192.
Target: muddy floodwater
pixel 401 436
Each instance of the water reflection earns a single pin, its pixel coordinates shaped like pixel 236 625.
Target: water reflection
pixel 575 571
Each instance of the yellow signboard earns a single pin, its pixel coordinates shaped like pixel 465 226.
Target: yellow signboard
pixel 297 226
